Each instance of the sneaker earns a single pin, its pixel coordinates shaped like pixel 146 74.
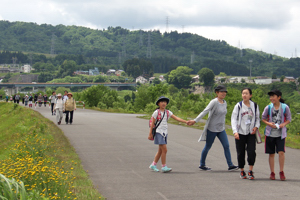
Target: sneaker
pixel 205 168
pixel 272 176
pixel 166 169
pixel 282 177
pixel 243 175
pixel 154 168
pixel 250 175
pixel 233 167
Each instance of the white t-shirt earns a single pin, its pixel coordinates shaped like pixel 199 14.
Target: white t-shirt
pixel 163 126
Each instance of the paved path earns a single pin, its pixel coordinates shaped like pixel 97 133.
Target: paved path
pixel 116 153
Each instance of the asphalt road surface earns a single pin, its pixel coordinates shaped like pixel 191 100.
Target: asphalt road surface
pixel 115 151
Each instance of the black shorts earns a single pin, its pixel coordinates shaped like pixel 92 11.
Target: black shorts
pixel 274 144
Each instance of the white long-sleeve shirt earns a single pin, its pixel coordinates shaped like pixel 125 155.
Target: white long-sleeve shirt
pixel 240 119
pixel 59 104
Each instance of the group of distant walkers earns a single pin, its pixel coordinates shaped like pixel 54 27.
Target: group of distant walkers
pixel 60 105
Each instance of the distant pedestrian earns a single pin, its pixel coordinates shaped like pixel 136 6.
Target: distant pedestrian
pixel 45 99
pixel 30 99
pixel 40 99
pixel 70 107
pixel 0 96
pixel 26 99
pixel 14 98
pixel 245 122
pixel 23 100
pixel 59 107
pixel 276 116
pixel 215 127
pixel 35 98
pixel 52 100
pixel 17 98
pixel 160 119
pixel 6 98
pixel 65 98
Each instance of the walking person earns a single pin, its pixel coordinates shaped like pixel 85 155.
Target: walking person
pixel 65 97
pixel 245 122
pixel 276 116
pixel 6 98
pixel 45 99
pixel 215 127
pixel 35 98
pixel 30 98
pixel 23 100
pixel 14 98
pixel 70 106
pixel 59 107
pixel 40 100
pixel 160 119
pixel 26 99
pixel 52 100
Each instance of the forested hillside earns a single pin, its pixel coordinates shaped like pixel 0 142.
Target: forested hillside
pixel 114 45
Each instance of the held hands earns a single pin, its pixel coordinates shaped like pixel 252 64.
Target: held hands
pixel 190 122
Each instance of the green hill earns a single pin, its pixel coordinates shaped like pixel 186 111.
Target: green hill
pixel 114 45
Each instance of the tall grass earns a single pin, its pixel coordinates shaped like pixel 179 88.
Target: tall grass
pixel 37 158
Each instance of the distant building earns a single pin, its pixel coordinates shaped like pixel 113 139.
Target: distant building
pixel 81 72
pixel 221 80
pixel 111 72
pixel 275 80
pixel 288 79
pixel 119 72
pixel 141 80
pixel 9 70
pixel 233 80
pixel 151 79
pixel 26 68
pixel 94 72
pixel 263 81
pixel 161 78
pixel 195 79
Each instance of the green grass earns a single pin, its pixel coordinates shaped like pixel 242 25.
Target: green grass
pixel 35 151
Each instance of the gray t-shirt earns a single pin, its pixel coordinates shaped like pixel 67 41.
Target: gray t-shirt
pixel 217 121
pixel 276 118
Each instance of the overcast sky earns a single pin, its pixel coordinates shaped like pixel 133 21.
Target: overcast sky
pixel 272 26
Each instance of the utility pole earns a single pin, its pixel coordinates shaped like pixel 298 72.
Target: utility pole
pixel 250 61
pixel 14 59
pixel 52 50
pixel 149 46
pixel 193 57
pixel 167 24
pixel 141 38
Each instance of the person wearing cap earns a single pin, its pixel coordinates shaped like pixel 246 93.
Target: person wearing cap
pixel 59 107
pixel 26 98
pixel 52 100
pixel 276 116
pixel 70 106
pixel 215 127
pixel 159 121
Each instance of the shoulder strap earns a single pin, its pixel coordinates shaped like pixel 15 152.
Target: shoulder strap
pixel 158 123
pixel 239 108
pixel 283 106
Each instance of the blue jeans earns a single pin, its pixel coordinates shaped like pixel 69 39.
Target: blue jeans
pixel 210 138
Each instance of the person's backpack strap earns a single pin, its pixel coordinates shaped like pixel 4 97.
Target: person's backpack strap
pixel 158 122
pixel 239 108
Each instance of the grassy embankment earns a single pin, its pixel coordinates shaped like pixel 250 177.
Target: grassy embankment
pixel 35 151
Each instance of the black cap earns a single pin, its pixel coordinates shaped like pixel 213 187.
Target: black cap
pixel 162 98
pixel 276 92
pixel 220 88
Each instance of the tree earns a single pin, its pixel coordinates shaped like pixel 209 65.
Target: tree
pixel 282 78
pixel 180 77
pixel 156 81
pixel 206 76
pixel 67 68
pixel 222 74
pixel 274 76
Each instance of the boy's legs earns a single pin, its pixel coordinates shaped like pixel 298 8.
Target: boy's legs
pixel 281 160
pixel 210 138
